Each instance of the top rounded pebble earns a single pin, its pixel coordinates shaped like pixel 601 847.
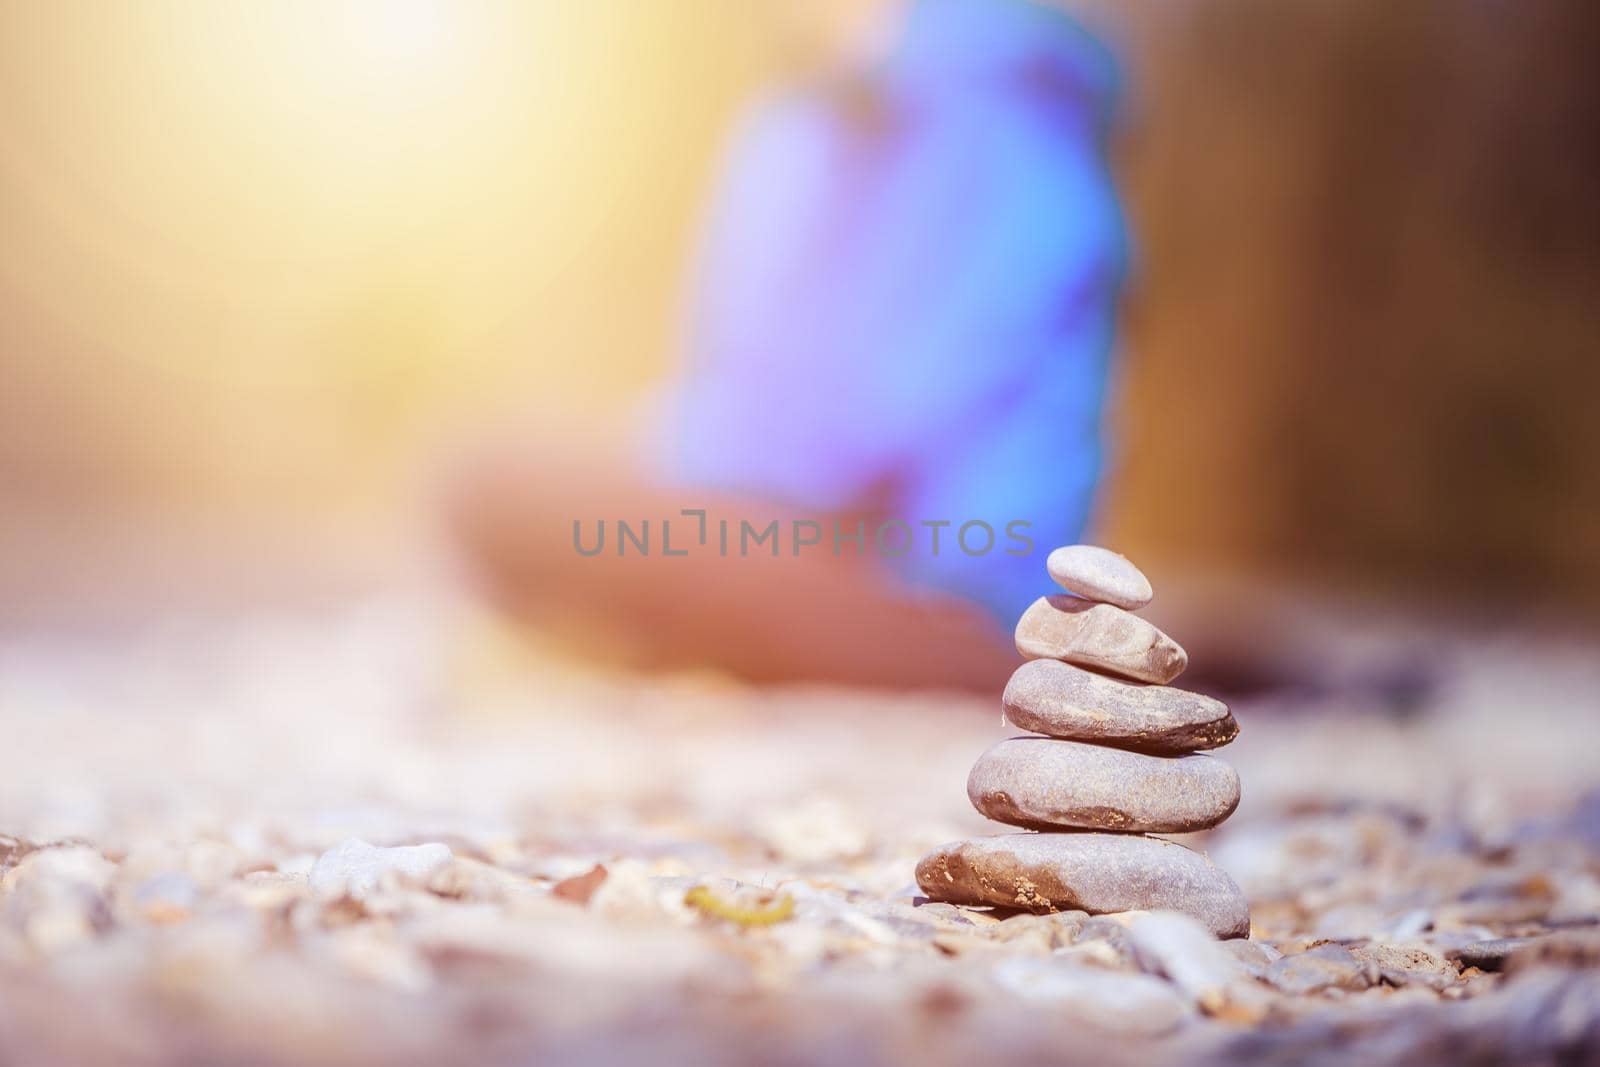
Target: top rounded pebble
pixel 1099 574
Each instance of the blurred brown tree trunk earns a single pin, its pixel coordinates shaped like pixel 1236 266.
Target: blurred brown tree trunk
pixel 1365 315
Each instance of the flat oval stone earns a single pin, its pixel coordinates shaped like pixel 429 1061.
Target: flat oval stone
pixel 1044 783
pixel 1097 873
pixel 1098 636
pixel 1049 697
pixel 1099 574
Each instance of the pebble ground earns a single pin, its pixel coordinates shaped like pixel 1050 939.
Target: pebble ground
pixel 687 870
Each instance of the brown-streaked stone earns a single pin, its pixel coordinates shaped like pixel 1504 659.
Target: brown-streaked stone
pixel 1046 783
pixel 1047 696
pixel 1097 873
pixel 1100 637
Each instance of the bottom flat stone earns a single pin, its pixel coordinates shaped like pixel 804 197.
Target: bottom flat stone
pixel 1093 872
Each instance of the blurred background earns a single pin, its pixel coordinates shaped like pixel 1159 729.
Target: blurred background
pixel 258 263
pixel 267 270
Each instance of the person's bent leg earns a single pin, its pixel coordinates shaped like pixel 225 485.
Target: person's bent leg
pixel 806 613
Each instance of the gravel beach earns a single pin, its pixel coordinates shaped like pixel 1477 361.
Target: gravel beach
pixel 385 833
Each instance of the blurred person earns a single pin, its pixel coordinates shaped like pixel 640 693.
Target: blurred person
pixel 902 311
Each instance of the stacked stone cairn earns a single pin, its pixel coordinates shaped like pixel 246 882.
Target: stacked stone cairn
pixel 1119 760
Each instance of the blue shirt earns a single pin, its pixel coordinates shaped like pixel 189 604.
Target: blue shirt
pixel 907 290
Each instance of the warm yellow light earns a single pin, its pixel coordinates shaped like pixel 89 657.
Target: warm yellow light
pixel 258 252
pixel 398 31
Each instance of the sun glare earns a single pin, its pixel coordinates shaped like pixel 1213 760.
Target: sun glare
pixel 401 32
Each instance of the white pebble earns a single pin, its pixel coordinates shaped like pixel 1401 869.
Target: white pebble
pixel 55 869
pixel 1178 948
pixel 1111 1000
pixel 356 869
pixel 1099 574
